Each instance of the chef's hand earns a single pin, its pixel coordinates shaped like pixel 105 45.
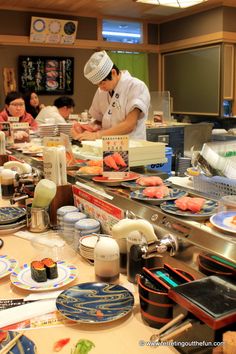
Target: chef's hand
pixel 89 136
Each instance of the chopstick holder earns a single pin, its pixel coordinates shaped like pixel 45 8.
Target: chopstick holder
pixel 11 344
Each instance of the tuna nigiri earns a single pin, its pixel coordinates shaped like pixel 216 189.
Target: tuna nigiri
pixel 193 204
pixel 119 159
pixel 150 181
pixel 182 203
pixel 110 162
pixel 156 192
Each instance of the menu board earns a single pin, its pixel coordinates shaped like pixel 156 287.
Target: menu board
pixel 51 30
pixel 46 75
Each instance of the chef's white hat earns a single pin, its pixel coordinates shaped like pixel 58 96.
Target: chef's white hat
pixel 98 67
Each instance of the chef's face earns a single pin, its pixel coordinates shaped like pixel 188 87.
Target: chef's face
pixel 109 84
pixel 34 100
pixel 16 108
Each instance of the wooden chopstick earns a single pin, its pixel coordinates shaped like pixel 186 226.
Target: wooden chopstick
pixel 11 344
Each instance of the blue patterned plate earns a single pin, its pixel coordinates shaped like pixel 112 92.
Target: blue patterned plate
pixel 208 209
pixel 21 277
pixel 6 265
pixel 24 345
pixel 11 214
pixel 224 221
pixel 95 302
pixel 174 194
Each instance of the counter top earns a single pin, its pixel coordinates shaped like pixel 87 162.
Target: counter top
pixel 118 337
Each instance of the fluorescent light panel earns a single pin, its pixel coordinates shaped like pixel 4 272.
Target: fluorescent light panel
pixel 172 3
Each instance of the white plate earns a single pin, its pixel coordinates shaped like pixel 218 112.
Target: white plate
pixel 89 241
pixel 6 265
pixel 223 220
pixel 21 278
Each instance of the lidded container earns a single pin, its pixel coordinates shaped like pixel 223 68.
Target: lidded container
pixel 227 203
pixel 107 260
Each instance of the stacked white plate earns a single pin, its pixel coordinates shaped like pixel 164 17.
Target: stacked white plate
pixel 85 227
pixel 65 128
pixel 86 246
pixel 47 130
pixel 69 221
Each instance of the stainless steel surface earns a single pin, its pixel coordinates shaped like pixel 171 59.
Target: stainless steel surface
pixel 193 236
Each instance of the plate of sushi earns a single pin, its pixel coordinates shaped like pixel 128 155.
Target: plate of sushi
pixel 130 176
pixel 11 214
pixel 43 275
pixel 95 302
pixel 156 195
pixel 225 220
pixel 194 207
pixel 7 265
pixel 22 345
pixel 146 181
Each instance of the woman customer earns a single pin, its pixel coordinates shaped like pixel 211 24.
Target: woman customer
pixel 15 107
pixel 32 104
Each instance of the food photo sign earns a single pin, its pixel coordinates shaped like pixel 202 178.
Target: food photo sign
pixel 52 30
pixel 115 156
pixel 46 75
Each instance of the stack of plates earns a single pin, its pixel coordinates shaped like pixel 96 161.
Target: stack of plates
pixel 69 221
pixel 11 219
pixel 65 128
pixel 61 212
pixel 47 130
pixel 86 246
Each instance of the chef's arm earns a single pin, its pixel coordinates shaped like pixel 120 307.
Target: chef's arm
pixel 124 127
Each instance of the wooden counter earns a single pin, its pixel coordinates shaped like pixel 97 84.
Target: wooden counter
pixel 118 337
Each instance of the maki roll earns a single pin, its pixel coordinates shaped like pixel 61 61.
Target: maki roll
pixel 38 271
pixel 51 268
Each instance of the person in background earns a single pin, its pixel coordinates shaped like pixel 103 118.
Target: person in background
pixel 121 101
pixel 15 107
pixel 32 104
pixel 58 113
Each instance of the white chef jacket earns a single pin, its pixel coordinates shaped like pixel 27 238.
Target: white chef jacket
pixel 49 114
pixel 129 93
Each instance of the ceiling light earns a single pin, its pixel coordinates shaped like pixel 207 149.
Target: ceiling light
pixel 173 3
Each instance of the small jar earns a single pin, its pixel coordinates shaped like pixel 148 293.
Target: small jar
pixel 227 203
pixel 107 260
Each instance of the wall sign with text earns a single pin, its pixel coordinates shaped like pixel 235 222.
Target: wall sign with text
pixel 46 75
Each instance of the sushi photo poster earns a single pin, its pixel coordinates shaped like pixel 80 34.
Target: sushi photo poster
pixel 115 156
pixel 46 75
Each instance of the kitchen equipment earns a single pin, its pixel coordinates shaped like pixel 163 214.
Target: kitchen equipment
pixel 39 220
pixel 140 254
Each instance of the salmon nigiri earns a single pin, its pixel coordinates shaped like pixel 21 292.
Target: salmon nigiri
pixel 110 162
pixel 119 159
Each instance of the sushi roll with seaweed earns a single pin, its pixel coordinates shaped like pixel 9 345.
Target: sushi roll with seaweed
pixel 38 271
pixel 51 268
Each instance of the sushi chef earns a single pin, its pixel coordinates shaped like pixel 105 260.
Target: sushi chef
pixel 120 104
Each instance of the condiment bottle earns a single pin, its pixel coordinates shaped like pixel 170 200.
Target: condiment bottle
pixel 7 182
pixel 134 261
pixel 106 260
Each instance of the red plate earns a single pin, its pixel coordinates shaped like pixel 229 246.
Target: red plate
pixel 115 181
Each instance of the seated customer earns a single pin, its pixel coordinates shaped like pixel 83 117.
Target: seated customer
pixel 63 107
pixel 15 107
pixel 32 104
